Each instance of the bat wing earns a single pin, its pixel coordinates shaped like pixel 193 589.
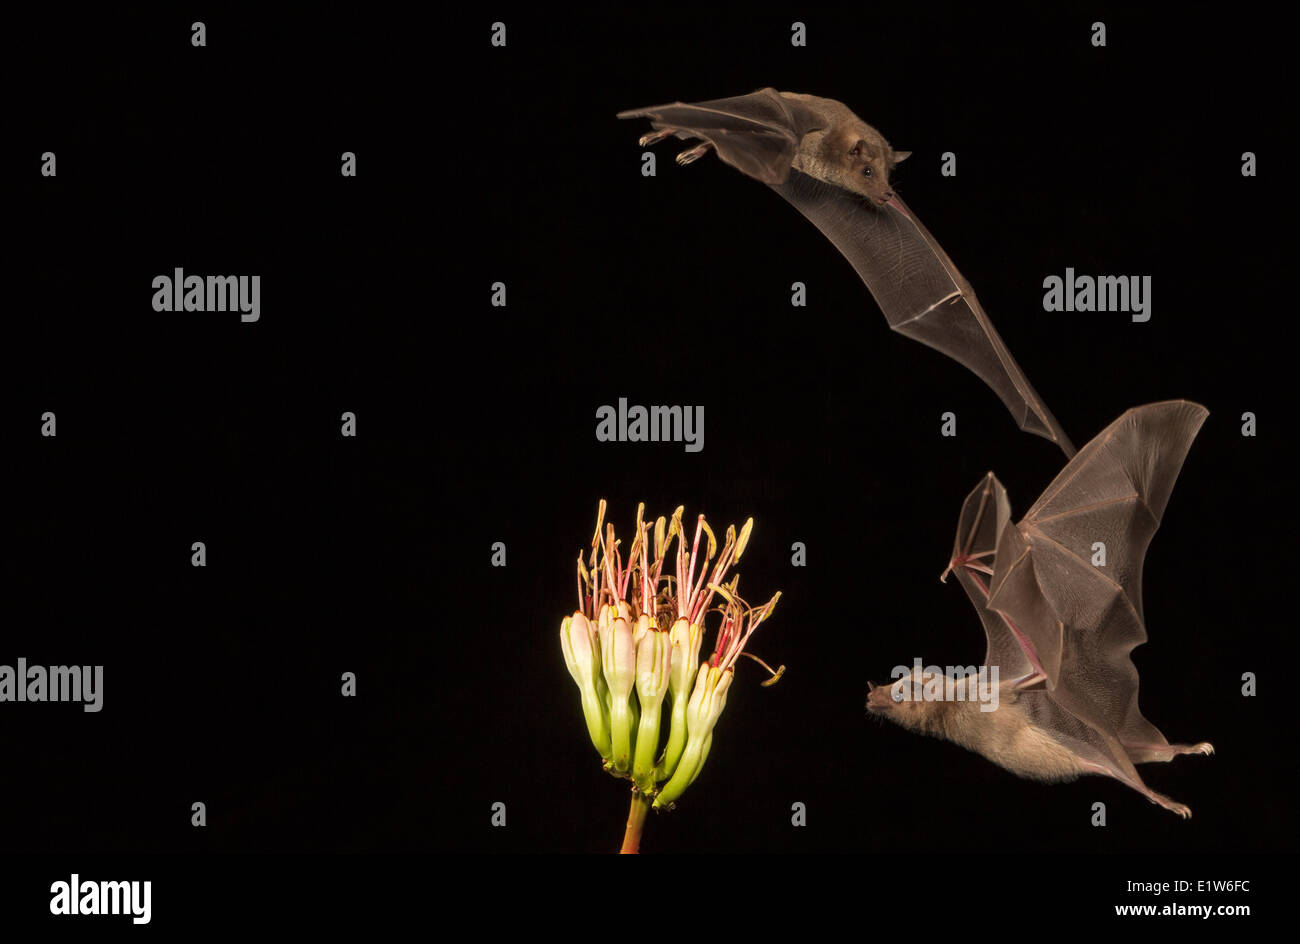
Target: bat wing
pixel 984 515
pixel 916 285
pixel 920 291
pixel 985 518
pixel 757 134
pixel 1084 619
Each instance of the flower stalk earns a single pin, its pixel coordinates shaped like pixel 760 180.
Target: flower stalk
pixel 635 824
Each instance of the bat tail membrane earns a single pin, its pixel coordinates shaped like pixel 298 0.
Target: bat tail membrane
pixel 920 292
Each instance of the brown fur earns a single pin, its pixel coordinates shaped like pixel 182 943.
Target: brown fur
pixel 846 150
pixel 1004 735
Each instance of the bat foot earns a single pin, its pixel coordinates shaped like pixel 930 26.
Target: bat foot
pixel 1182 809
pixel 694 154
pixel 1173 750
pixel 1162 753
pixel 654 137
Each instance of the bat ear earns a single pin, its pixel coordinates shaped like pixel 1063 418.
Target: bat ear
pixel 900 156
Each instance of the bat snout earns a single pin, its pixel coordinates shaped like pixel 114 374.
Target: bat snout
pixel 878 697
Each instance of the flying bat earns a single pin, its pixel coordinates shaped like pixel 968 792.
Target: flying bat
pixel 835 169
pixel 1060 596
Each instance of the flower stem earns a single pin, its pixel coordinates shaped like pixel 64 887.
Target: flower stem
pixel 635 823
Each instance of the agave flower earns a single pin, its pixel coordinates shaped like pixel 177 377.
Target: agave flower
pixel 634 644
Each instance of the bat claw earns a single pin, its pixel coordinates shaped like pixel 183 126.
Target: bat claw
pixel 1205 747
pixel 694 154
pixel 654 137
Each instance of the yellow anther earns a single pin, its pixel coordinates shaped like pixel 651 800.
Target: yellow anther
pixel 744 537
pixel 713 542
pixel 600 519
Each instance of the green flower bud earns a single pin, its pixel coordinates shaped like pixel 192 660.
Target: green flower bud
pixel 653 660
pixel 708 700
pixel 704 755
pixel 582 656
pixel 619 662
pixel 686 637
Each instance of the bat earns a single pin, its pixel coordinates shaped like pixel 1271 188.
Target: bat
pixel 1061 620
pixel 835 169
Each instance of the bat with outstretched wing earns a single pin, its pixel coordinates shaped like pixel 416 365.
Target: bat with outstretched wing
pixel 1060 596
pixel 835 169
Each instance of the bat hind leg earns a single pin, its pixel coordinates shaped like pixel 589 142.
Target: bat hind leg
pixel 654 137
pixel 694 154
pixel 1160 753
pixel 1182 809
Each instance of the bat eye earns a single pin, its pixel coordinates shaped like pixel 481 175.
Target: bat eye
pixel 866 171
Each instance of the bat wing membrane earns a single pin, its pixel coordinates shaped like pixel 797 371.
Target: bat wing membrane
pixel 1099 748
pixel 984 515
pixel 920 292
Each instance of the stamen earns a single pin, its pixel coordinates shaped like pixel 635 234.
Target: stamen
pixel 600 519
pixel 713 542
pixel 744 538
pixel 582 581
pixel 611 572
pixel 776 676
pixel 725 593
pixel 689 583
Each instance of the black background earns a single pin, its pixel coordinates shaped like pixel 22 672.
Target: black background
pixel 476 424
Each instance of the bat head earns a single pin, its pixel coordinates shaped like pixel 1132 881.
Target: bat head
pixel 856 157
pixel 902 702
